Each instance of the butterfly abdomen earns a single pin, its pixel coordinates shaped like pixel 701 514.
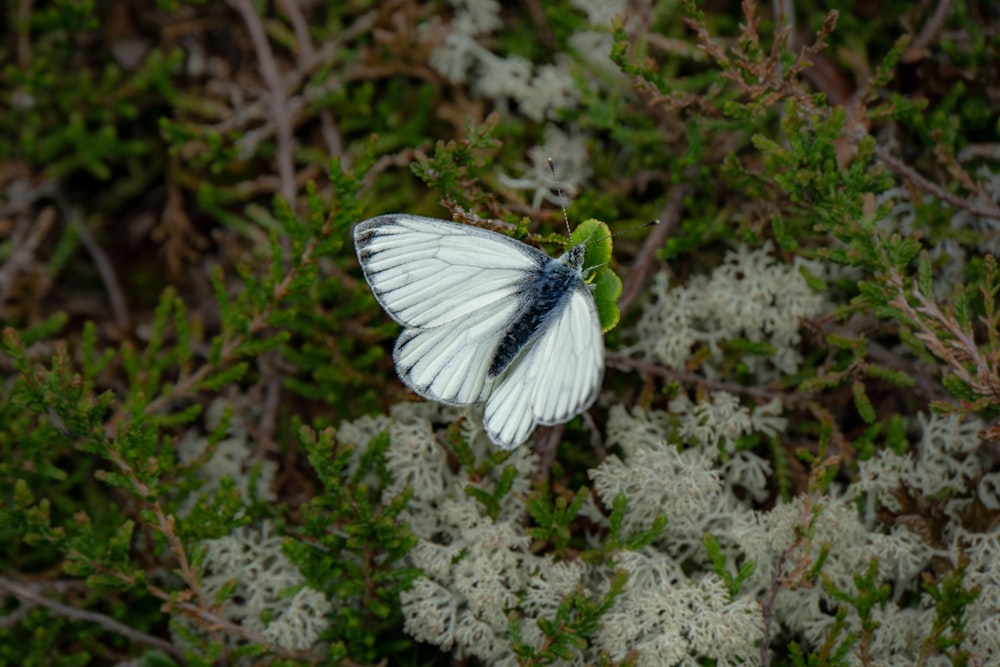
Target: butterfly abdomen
pixel 542 297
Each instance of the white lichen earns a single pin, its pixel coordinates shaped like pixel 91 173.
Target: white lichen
pixel 750 297
pixel 267 586
pixel 234 457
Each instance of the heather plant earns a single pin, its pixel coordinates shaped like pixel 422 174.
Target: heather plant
pixel 205 457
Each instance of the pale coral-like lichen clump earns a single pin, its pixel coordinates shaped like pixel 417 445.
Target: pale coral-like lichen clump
pixel 750 296
pixel 690 465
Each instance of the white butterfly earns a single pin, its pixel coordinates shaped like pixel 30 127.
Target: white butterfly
pixel 486 318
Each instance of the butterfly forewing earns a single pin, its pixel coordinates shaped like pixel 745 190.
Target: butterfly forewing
pixel 427 272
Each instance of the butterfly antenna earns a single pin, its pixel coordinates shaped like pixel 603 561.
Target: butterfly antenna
pixel 562 200
pixel 651 223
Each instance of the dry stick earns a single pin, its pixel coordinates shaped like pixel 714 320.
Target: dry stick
pixel 331 135
pixel 327 54
pixel 26 238
pixel 212 622
pixel 643 264
pixel 976 208
pixel 202 609
pixel 931 30
pixel 546 447
pixel 24 34
pixel 116 295
pixel 767 608
pixel 619 360
pixel 29 596
pixel 19 200
pixel 270 406
pixel 272 76
pixel 300 26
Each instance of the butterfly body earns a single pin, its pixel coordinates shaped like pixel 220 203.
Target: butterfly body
pixel 486 319
pixel 546 292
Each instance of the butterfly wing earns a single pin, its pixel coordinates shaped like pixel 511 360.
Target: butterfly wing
pixel 450 363
pixel 552 381
pixel 454 288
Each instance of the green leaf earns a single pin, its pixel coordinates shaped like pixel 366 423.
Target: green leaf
pixel 606 285
pixel 898 378
pixel 863 403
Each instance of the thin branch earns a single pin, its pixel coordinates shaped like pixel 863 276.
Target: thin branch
pixel 24 34
pixel 105 267
pixel 327 54
pixel 623 362
pixel 25 239
pixel 213 622
pixel 918 48
pixel 767 606
pixel 981 209
pixel 165 525
pixel 29 596
pixel 300 26
pixel 638 275
pixel 330 131
pixel 17 200
pixel 979 151
pixel 545 447
pixel 279 112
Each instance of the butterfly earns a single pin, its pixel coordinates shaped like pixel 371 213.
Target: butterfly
pixel 486 319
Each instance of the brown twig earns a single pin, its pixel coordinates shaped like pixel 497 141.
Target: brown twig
pixel 767 606
pixel 799 575
pixel 638 274
pixel 165 525
pixel 18 200
pixel 25 239
pixel 106 269
pixel 546 446
pixel 976 208
pixel 543 31
pixel 279 112
pixel 24 34
pixel 210 620
pixel 918 48
pixel 325 55
pixel 202 608
pixel 300 27
pixel 979 151
pixel 29 596
pixel 331 134
pixel 623 362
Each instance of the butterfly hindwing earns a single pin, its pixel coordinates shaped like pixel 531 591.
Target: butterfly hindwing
pixel 553 380
pixel 450 363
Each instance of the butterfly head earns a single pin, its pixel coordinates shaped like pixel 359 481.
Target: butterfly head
pixel 573 258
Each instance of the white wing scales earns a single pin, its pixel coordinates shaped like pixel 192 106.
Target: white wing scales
pixel 554 380
pixel 456 289
pixel 428 272
pixel 450 363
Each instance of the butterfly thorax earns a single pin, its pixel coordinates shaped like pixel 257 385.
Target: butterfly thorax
pixel 542 295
